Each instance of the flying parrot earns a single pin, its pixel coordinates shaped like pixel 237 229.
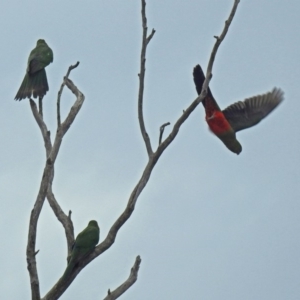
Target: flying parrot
pixel 85 242
pixel 238 116
pixel 35 80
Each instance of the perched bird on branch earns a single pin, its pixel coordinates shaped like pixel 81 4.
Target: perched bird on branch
pixel 35 80
pixel 85 242
pixel 238 116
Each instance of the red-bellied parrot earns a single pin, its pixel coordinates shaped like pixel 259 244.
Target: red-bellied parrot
pixel 238 116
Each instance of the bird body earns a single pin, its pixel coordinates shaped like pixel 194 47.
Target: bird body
pixel 238 116
pixel 85 242
pixel 35 81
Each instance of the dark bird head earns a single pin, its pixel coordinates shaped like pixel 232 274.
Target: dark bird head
pixel 235 146
pixel 40 41
pixel 230 141
pixel 93 223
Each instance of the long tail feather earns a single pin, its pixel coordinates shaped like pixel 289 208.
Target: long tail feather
pixel 35 84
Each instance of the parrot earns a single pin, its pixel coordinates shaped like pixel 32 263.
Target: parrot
pixel 238 116
pixel 35 80
pixel 84 243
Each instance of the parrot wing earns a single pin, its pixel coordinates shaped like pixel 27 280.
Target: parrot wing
pixel 88 238
pixel 35 65
pixel 40 57
pixel 85 242
pixel 244 114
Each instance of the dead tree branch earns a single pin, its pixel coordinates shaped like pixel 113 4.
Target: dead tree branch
pixel 127 284
pixel 46 185
pixel 45 132
pixel 61 90
pixel 161 131
pixel 31 252
pixel 41 106
pixel 145 42
pixel 64 219
pixel 59 288
pixel 218 43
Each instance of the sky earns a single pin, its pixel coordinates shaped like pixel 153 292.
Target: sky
pixel 209 224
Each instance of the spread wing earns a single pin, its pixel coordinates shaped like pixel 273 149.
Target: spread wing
pixel 247 113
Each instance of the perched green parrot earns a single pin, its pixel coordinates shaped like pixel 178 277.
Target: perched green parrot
pixel 35 80
pixel 238 116
pixel 85 242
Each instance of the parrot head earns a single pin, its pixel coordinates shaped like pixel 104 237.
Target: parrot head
pixel 93 223
pixel 40 41
pixel 230 141
pixel 234 146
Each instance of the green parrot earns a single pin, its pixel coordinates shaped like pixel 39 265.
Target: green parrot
pixel 85 242
pixel 238 116
pixel 35 80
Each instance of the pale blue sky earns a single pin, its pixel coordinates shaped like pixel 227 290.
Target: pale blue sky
pixel 210 225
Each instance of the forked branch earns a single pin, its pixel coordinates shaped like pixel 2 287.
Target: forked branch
pixel 61 286
pixel 46 185
pixel 145 41
pixel 61 90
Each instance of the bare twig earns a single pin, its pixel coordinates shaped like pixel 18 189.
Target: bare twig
pixel 61 90
pixel 145 42
pixel 218 42
pixel 43 127
pixel 62 217
pixel 127 284
pixel 69 119
pixel 161 131
pixel 41 106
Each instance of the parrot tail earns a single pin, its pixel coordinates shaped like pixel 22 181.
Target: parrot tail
pixel 35 84
pixel 68 270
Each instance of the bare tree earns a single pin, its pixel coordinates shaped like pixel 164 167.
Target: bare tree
pixel 52 149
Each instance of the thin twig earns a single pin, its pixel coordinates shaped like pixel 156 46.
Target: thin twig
pixel 145 42
pixel 218 43
pixel 41 106
pixel 161 131
pixel 61 90
pixel 127 284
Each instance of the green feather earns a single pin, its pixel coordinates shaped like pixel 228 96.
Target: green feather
pixel 84 244
pixel 35 81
